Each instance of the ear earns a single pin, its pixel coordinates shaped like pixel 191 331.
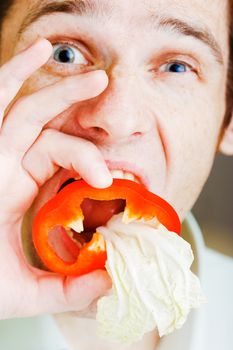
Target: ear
pixel 226 143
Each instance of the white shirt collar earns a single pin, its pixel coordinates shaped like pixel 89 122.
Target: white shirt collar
pixel 190 335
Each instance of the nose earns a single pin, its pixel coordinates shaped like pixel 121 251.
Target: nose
pixel 118 114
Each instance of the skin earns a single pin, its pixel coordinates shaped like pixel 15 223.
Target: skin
pixel 64 118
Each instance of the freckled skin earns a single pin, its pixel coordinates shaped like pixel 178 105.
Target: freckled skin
pixel 168 124
pixel 177 118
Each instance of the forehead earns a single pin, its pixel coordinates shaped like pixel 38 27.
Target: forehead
pixel 129 15
pixel 210 14
pixel 208 10
pixel 146 4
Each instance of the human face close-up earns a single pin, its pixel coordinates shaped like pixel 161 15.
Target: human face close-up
pixel 161 114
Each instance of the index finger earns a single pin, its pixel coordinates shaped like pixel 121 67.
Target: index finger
pixel 31 113
pixel 14 73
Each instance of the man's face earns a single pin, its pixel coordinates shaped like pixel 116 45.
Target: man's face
pixel 166 60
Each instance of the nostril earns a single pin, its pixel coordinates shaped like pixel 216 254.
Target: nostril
pixel 96 128
pixel 137 133
pixel 99 131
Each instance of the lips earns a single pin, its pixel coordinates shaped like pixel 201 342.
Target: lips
pixel 71 176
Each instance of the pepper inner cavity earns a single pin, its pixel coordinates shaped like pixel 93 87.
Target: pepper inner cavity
pixel 97 213
pixel 67 243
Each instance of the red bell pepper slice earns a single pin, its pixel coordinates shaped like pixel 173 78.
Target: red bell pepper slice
pixel 64 210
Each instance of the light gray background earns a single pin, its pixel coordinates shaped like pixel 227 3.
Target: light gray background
pixel 214 208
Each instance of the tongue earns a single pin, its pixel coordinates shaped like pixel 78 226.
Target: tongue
pixel 97 213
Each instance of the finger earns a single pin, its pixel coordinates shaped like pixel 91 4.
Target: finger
pixel 54 149
pixel 29 115
pixel 19 68
pixel 59 294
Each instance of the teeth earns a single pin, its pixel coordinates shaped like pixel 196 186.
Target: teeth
pixel 129 176
pixel 119 174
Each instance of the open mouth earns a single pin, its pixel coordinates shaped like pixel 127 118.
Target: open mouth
pixel 67 242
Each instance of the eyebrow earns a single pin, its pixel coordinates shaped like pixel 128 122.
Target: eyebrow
pixel 199 33
pixel 76 7
pixel 89 8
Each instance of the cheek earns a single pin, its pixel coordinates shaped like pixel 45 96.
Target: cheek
pixel 190 120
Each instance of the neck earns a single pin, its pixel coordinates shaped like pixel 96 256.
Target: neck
pixel 80 333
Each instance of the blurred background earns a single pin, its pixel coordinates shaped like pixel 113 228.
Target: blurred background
pixel 214 208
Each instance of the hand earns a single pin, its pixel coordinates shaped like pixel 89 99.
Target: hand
pixel 29 156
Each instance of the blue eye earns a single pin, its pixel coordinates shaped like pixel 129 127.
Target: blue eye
pixel 63 53
pixel 175 67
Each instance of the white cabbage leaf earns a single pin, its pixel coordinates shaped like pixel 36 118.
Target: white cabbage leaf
pixel 152 284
